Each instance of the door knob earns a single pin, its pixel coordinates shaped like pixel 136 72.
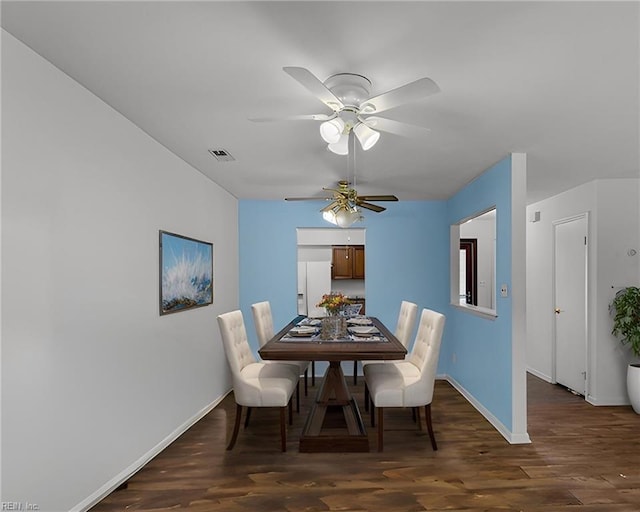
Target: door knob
pixel 558 311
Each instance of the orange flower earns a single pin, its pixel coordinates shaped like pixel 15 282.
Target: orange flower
pixel 333 302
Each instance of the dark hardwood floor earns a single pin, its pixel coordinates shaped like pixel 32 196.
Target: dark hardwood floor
pixel 582 458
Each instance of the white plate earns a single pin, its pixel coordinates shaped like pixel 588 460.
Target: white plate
pixel 359 321
pixel 364 330
pixel 303 331
pixel 309 321
pixel 294 334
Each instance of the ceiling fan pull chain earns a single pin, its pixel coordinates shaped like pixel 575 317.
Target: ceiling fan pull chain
pixel 351 155
pixel 354 162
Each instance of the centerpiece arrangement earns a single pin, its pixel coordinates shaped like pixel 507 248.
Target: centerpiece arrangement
pixel 334 326
pixel 333 303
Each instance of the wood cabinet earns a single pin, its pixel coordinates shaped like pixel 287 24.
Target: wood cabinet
pixel 358 261
pixel 341 263
pixel 347 262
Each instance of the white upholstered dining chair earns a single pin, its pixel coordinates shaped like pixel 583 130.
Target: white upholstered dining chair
pixel 406 322
pixel 255 384
pixel 408 383
pixel 404 329
pixel 263 320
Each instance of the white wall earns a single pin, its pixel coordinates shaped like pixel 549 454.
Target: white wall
pixel 613 230
pixel 617 232
pixel 330 236
pixel 94 381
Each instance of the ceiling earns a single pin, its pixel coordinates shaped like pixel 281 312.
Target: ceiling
pixel 558 81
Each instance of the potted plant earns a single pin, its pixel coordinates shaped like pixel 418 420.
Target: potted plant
pixel 626 326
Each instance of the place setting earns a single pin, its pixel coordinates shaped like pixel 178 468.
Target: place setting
pixel 365 333
pixel 302 331
pixel 359 320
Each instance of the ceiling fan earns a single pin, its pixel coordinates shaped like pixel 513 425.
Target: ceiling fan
pixel 346 196
pixel 348 95
pixel 345 205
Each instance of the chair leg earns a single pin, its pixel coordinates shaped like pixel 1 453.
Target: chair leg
pixel 283 430
pixel 427 413
pixel 413 414
pixel 313 373
pixel 247 417
pixel 290 412
pixel 306 382
pixel 298 396
pixel 366 397
pixel 236 427
pixel 355 373
pixel 372 413
pixel 380 428
pixel 418 418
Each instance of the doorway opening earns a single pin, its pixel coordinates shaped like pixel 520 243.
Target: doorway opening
pixel 469 271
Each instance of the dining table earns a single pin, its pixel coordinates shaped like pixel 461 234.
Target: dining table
pixel 333 423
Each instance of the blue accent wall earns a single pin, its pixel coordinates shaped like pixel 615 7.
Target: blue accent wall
pixel 407 257
pixel 482 346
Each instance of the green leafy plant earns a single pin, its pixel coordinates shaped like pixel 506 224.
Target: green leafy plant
pixel 626 321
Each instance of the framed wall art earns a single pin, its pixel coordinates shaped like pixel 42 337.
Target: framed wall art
pixel 186 273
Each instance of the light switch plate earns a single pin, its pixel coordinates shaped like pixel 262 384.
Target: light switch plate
pixel 503 291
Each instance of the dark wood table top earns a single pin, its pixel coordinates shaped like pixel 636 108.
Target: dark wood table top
pixel 332 350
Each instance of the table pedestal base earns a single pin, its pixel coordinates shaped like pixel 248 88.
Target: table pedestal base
pixel 334 423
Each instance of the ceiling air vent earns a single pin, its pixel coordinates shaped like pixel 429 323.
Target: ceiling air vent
pixel 222 155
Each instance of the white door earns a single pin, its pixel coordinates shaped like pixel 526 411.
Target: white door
pixel 570 286
pixel 318 283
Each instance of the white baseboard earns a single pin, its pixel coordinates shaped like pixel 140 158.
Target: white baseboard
pixel 511 438
pixel 540 375
pixel 613 401
pixel 127 473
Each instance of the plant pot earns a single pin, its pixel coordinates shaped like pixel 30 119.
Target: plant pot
pixel 633 386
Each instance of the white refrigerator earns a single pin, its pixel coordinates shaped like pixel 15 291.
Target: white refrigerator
pixel 314 280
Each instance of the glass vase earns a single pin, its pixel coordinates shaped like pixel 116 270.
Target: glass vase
pixel 333 327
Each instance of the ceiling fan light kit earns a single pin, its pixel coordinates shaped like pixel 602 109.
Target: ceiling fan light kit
pixel 345 218
pixel 331 130
pixel 366 136
pixel 336 132
pixel 341 215
pixel 341 147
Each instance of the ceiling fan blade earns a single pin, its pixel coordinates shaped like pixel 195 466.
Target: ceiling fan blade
pixel 410 92
pixel 390 126
pixel 369 206
pixel 302 117
pixel 308 198
pixel 378 198
pixel 315 86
